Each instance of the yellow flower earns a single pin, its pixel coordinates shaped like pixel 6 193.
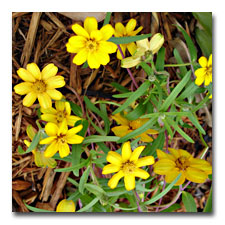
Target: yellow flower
pixel 145 48
pixel 204 74
pixel 127 165
pixel 128 126
pixel 61 111
pixel 39 85
pixel 180 161
pixel 59 138
pixel 91 44
pixel 39 158
pixel 121 31
pixel 66 206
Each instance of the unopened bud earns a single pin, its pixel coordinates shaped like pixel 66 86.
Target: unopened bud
pixel 156 43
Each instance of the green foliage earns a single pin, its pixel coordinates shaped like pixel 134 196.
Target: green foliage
pixel 189 202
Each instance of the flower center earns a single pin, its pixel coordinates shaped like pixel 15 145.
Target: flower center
pixel 182 163
pixel 209 70
pixel 60 116
pixel 91 45
pixel 39 86
pixel 61 138
pixel 128 167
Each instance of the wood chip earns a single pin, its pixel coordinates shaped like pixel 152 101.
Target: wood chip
pixel 19 185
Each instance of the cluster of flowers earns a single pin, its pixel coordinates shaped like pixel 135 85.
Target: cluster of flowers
pixel 91 44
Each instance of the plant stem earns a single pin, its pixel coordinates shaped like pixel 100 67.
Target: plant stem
pixel 128 70
pixel 137 200
pixel 177 65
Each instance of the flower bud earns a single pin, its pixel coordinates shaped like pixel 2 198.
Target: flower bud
pixel 156 43
pixel 130 62
pixel 66 206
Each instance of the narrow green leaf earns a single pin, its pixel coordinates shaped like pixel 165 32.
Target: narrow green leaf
pixel 189 90
pixel 135 95
pixel 183 69
pixel 76 109
pixel 103 147
pixel 137 112
pixel 172 208
pixel 76 157
pixel 208 206
pixel 195 122
pixel 189 202
pixel 126 40
pixel 148 70
pixel 107 18
pixel 34 142
pixel 88 206
pixel 34 209
pixel 164 192
pixel 169 100
pixel 94 189
pixel 72 181
pixel 119 87
pixel 160 60
pixel 20 150
pixel 83 180
pixel 168 128
pixel 97 138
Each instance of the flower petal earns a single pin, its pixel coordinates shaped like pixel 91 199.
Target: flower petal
pixel 171 176
pixel 92 61
pixel 54 94
pixel 44 100
pixel 48 140
pixel 184 153
pixel 80 57
pixel 63 128
pixel 34 70
pixel 133 33
pixel 126 151
pixel 77 41
pixel 145 137
pixel 107 32
pixel 123 48
pixel 195 175
pixel 136 153
pixel 199 80
pixel 119 30
pixel 201 165
pixel 90 24
pixel 71 120
pixel 210 61
pixel 49 71
pixel 107 46
pixel 203 61
pixel 70 48
pixel 162 155
pixel 74 130
pixel 102 57
pixel 201 72
pixel 120 119
pixel 131 25
pixel 145 161
pixel 64 150
pixel 74 139
pixel 121 131
pixel 49 111
pixel 96 35
pixel 141 173
pixel 67 108
pixel 163 166
pixel 25 75
pixel 110 168
pixel 49 118
pixel 174 152
pixel 23 88
pixel 132 48
pixel 60 106
pixel 55 82
pixel 66 206
pixel 129 181
pixel 114 158
pixel 51 129
pixel 51 150
pixel 208 80
pixel 80 31
pixel 115 179
pixel 29 99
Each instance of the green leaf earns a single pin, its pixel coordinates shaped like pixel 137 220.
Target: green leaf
pixel 190 44
pixel 160 61
pixel 72 181
pixel 137 112
pixel 195 122
pixel 34 209
pixel 164 192
pixel 208 206
pixel 96 190
pixel 34 142
pixel 126 40
pixel 85 65
pixel 189 202
pixel 183 69
pixel 107 18
pixel 76 109
pixel 119 87
pixel 76 157
pixel 20 150
pixel 148 70
pixel 135 95
pixel 83 180
pixel 97 138
pixel 88 206
pixel 169 100
pixel 172 208
pixel 189 90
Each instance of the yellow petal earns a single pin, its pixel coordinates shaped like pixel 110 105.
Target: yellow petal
pixel 44 100
pixel 49 111
pixel 90 24
pixel 143 44
pixel 25 75
pixel 172 175
pixel 74 139
pixel 163 166
pixel 77 41
pixel 63 128
pixel 136 153
pixel 199 80
pixel 210 61
pixel 34 70
pixel 201 72
pixel 66 206
pixel 55 82
pixel 129 181
pixel 92 61
pixel 184 153
pixel 51 129
pixel 201 165
pixel 208 80
pixel 60 106
pixel 64 150
pixel 102 57
pixel 126 151
pixel 107 32
pixel 29 99
pixel 49 71
pixel 74 130
pixel 151 131
pixel 156 43
pixel 119 29
pixel 145 161
pixel 145 137
pixel 27 143
pixel 79 30
pixel 114 158
pixel 131 25
pixel 23 88
pixel 133 33
pixel 115 179
pixel 141 173
pixel 51 149
pixel 80 57
pixel 123 48
pixel 110 168
pixel 67 108
pixel 132 48
pixel 70 48
pixel 107 46
pixel 96 35
pixel 120 119
pixel 71 120
pixel 54 94
pixel 121 131
pixel 203 61
pixel 30 132
pixel 48 140
pixel 174 152
pixel 130 62
pixel 195 175
pixel 163 155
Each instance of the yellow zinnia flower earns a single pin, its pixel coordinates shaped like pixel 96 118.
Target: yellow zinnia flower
pixel 61 111
pixel 91 44
pixel 39 85
pixel 204 74
pixel 127 165
pixel 60 137
pixel 128 126
pixel 39 158
pixel 180 161
pixel 66 206
pixel 121 31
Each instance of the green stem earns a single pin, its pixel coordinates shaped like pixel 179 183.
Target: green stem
pixel 177 65
pixel 94 178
